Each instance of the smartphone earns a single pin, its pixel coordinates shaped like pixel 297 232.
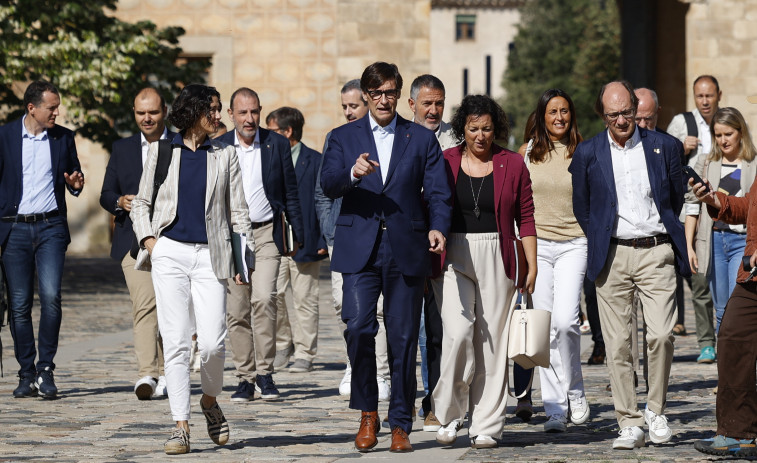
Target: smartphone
pixel 690 173
pixel 745 263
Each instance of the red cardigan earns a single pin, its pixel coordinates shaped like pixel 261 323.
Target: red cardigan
pixel 513 201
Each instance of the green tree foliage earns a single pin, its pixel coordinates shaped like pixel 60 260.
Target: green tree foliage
pixel 97 61
pixel 572 45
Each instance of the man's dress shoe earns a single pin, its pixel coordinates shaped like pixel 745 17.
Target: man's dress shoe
pixel 366 435
pixel 400 441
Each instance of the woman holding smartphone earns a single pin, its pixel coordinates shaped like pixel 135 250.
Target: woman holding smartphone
pixel 715 247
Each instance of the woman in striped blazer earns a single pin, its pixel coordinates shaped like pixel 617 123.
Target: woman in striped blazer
pixel 188 245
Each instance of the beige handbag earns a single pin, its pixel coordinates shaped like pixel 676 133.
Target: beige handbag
pixel 528 335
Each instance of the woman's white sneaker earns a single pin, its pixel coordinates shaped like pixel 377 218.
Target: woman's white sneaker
pixel 579 410
pixel 447 435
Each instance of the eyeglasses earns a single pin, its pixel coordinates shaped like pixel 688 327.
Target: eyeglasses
pixel 391 94
pixel 627 114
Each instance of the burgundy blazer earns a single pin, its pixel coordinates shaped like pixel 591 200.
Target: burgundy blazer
pixel 513 201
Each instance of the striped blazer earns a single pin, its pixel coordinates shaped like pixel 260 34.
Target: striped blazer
pixel 225 206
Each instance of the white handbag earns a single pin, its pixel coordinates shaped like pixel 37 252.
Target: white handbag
pixel 528 335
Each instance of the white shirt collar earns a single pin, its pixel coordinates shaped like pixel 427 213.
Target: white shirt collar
pixel 162 137
pixel 375 127
pixel 255 141
pixel 630 143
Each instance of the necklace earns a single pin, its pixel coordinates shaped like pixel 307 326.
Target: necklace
pixel 476 209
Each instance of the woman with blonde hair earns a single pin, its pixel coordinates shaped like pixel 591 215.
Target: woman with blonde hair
pixel 715 247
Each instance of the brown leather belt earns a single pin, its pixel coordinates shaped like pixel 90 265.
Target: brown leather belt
pixel 31 218
pixel 256 225
pixel 643 243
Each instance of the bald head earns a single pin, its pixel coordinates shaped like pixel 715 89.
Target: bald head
pixel 150 113
pixel 617 103
pixel 647 110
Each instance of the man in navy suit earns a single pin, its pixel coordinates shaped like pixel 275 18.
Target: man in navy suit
pixel 396 208
pixel 627 193
pixel 270 188
pixel 303 269
pixel 120 184
pixel 38 162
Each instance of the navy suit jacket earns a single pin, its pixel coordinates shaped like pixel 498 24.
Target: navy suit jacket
pixel 63 159
pixel 414 199
pixel 122 177
pixel 279 182
pixel 595 198
pixel 306 171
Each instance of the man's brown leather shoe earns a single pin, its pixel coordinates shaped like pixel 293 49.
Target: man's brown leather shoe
pixel 366 435
pixel 400 441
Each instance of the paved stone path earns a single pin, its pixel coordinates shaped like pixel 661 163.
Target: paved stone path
pixel 98 418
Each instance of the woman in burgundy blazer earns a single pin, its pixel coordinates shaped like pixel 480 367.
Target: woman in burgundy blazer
pixel 475 285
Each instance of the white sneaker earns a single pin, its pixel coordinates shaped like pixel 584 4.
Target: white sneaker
pixel 579 410
pixel 145 387
pixel 384 389
pixel 629 438
pixel 195 361
pixel 659 431
pixel 556 423
pixel 482 441
pixel 345 386
pixel 161 390
pixel 447 435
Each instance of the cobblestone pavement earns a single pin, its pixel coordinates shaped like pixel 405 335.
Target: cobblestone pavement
pixel 98 418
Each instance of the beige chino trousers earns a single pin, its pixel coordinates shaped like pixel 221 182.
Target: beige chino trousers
pixel 148 346
pixel 303 332
pixel 251 311
pixel 474 297
pixel 651 272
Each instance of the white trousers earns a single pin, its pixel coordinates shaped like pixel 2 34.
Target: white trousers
pixel 474 297
pixel 562 266
pixel 184 282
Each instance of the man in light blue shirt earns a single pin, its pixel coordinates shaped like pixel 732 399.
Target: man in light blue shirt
pixel 38 161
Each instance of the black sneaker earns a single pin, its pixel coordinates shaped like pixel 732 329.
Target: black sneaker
pixel 266 387
pixel 26 387
pixel 46 384
pixel 245 392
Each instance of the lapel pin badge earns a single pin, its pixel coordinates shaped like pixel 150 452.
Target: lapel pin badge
pixel 657 150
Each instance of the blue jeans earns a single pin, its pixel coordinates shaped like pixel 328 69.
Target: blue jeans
pixel 41 245
pixel 727 251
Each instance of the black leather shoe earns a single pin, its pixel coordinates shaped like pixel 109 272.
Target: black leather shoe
pixel 597 355
pixel 26 387
pixel 46 384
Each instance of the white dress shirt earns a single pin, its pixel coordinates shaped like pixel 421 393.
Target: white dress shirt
pixel 637 215
pixel 252 179
pixel 146 144
pixel 38 190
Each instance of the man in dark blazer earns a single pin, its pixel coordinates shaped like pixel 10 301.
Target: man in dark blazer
pixel 396 208
pixel 270 188
pixel 121 183
pixel 303 269
pixel 38 162
pixel 627 193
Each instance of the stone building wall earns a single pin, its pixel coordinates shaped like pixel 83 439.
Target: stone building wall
pixel 721 39
pixel 292 52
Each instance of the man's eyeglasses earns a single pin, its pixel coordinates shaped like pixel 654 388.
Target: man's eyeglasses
pixel 627 114
pixel 391 94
